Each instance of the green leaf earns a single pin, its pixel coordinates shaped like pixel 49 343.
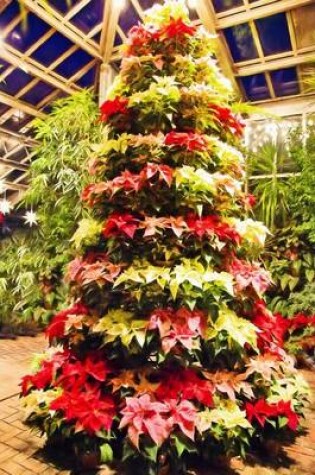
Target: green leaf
pixel 106 453
pixel 310 274
pixel 152 452
pixel 183 444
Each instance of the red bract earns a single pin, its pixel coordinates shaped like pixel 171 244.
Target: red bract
pixel 46 375
pixel 177 28
pixel 78 374
pixel 211 225
pixel 90 411
pixel 227 119
pixel 112 107
pixel 192 142
pixel 139 35
pixel 56 329
pixel 273 328
pixel 262 411
pixel 120 223
pixel 301 321
pixel 185 384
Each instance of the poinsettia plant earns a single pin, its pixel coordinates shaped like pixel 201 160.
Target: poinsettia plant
pixel 168 351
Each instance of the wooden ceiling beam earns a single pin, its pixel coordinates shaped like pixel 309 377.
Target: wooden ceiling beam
pixel 10 185
pixel 257 12
pixel 13 164
pixel 28 141
pixel 20 105
pixel 287 106
pixel 62 25
pixel 271 65
pixel 110 22
pixel 17 59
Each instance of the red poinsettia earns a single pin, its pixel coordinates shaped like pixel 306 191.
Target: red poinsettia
pixel 227 119
pixel 46 375
pixel 261 411
pixel 185 384
pixel 56 329
pixel 177 28
pixel 189 140
pixel 89 410
pixel 79 374
pixel 143 415
pixel 211 225
pixel 120 223
pixel 301 321
pixel 273 328
pixel 112 107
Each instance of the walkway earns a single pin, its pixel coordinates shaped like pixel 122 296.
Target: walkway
pixel 20 450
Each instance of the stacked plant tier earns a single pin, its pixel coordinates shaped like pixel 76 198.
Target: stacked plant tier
pixel 168 353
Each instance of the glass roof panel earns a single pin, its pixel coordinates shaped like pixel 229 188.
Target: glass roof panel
pixel 241 42
pixel 22 37
pixel 255 87
pixel 54 47
pixel 9 13
pixel 118 41
pixel 35 95
pixel 285 82
pixel 274 34
pixel 73 63
pixel 90 16
pixel 223 5
pixel 16 123
pixel 128 18
pixel 15 81
pixel 88 79
pixel 63 6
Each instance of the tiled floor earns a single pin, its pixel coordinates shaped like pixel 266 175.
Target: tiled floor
pixel 20 450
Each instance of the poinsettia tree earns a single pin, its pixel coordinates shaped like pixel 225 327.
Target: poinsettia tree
pixel 168 351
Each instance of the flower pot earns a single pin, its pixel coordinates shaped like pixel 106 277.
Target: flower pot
pixel 271 447
pixel 89 460
pixel 220 461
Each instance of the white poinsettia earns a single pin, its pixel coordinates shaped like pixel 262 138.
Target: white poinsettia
pixel 228 415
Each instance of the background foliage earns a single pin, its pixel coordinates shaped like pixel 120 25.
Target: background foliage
pixel 32 260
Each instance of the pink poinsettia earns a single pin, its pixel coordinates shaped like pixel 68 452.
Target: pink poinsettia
pixel 191 141
pixel 182 414
pixel 248 275
pixel 181 326
pixel 143 415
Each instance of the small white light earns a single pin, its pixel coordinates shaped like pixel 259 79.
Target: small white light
pixel 192 4
pixel 5 206
pixel 30 218
pixel 121 4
